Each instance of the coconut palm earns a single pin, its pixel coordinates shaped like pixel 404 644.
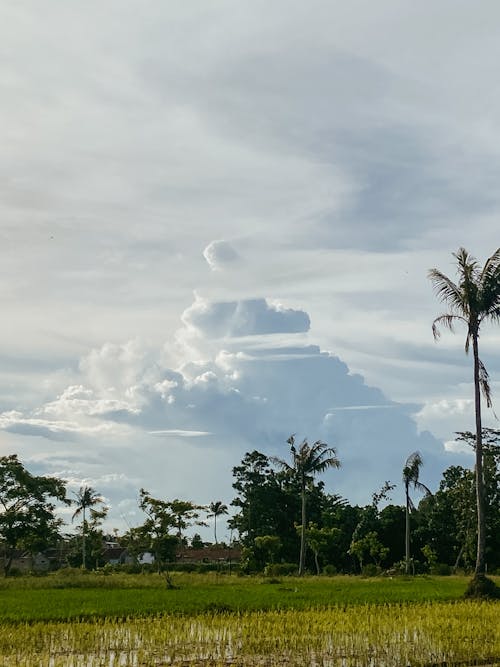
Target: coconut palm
pixel 217 508
pixel 86 498
pixel 474 299
pixel 411 473
pixel 307 462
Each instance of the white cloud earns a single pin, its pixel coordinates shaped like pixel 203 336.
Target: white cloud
pixel 249 317
pixel 220 254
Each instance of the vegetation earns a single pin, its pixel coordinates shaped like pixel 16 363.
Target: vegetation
pixel 134 620
pixel 27 519
pixel 474 300
pixel 86 498
pixel 411 473
pixel 307 462
pixel 217 508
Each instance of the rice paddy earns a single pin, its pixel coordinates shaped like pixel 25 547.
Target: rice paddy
pixel 357 633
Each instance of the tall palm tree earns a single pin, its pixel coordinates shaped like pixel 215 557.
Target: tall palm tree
pixel 86 498
pixel 474 299
pixel 307 461
pixel 411 473
pixel 217 508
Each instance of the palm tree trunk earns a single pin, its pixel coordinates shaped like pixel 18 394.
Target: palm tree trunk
pixel 303 531
pixel 215 528
pixel 84 526
pixel 481 537
pixel 407 533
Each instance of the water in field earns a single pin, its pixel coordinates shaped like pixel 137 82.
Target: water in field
pixel 369 635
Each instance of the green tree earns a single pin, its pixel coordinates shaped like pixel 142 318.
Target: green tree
pixel 370 545
pixel 307 462
pixel 86 498
pixel 217 508
pixel 321 541
pixel 473 300
pixel 93 534
pixel 185 514
pixel 491 484
pixel 447 521
pixel 264 504
pixel 266 549
pixel 411 473
pixel 154 533
pixel 27 518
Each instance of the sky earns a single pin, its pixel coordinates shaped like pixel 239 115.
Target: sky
pixel 216 224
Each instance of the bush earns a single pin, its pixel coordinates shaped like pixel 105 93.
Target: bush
pixel 371 570
pixel 441 569
pixel 330 570
pixel 280 569
pixel 481 587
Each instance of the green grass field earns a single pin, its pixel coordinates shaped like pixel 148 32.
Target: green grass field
pixel 124 596
pixel 91 620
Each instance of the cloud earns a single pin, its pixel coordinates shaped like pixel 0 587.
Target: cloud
pixel 248 317
pixel 175 432
pixel 220 254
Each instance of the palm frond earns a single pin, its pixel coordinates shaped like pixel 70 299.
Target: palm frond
pixel 491 269
pixel 419 486
pixel 446 289
pixel 446 320
pixel 484 382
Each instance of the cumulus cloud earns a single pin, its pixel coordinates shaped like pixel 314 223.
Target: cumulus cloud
pixel 222 400
pixel 219 254
pixel 248 317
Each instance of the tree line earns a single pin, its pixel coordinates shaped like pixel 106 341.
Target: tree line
pixel 280 506
pixel 282 517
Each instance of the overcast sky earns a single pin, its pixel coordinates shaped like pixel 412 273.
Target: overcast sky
pixel 216 224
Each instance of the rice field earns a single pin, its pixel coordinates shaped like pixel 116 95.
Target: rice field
pixel 371 634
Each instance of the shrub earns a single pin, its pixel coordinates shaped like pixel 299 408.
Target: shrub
pixel 280 569
pixel 330 570
pixel 442 569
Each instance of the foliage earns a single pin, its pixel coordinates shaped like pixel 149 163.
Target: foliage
pixel 27 519
pixel 473 300
pixel 87 498
pixel 217 508
pixel 411 474
pixel 307 461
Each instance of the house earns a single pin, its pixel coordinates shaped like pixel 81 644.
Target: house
pixel 209 554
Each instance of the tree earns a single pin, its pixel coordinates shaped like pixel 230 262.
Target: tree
pixel 411 473
pixel 185 514
pixel 491 489
pixel 26 512
pixel 155 532
pixel 473 300
pixel 307 461
pixel 217 508
pixel 264 504
pixel 91 532
pixel 86 498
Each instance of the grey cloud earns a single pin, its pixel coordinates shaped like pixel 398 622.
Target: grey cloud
pixel 248 317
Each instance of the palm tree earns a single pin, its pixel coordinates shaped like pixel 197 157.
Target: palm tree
pixel 217 508
pixel 86 497
pixel 411 472
pixel 474 299
pixel 307 461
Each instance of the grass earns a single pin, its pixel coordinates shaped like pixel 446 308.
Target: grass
pixel 117 596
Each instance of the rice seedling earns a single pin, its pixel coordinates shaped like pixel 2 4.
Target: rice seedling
pixel 385 635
